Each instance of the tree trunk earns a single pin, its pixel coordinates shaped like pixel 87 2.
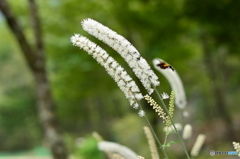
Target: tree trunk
pixel 48 117
pixel 35 59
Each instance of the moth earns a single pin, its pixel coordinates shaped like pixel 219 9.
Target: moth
pixel 164 65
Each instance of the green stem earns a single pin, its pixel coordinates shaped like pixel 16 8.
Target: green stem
pixel 165 139
pixel 155 136
pixel 164 106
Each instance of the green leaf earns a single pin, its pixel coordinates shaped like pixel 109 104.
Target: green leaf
pixel 170 143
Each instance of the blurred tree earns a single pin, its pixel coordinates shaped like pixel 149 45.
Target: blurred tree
pixel 219 34
pixel 35 58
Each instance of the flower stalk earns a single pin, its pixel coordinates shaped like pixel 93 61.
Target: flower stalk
pixel 154 135
pixel 167 112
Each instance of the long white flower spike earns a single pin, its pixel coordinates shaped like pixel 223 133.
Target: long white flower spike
pixel 198 145
pixel 117 148
pixel 130 54
pixel 175 82
pixel 120 76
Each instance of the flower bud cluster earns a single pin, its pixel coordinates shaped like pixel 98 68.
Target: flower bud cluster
pixel 156 107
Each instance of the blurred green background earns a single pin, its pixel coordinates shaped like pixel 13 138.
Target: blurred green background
pixel 200 39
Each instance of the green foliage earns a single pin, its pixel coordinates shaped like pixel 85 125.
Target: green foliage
pixel 19 125
pixel 87 148
pixel 219 18
pixel 170 143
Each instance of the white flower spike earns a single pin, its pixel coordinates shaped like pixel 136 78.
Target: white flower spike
pixel 175 82
pixel 198 145
pixel 187 131
pixel 120 76
pixel 116 148
pixel 130 54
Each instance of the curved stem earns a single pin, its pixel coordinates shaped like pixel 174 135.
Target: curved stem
pixel 154 134
pixel 179 137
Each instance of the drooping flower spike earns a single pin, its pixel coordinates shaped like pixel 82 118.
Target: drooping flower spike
pixel 175 82
pixel 130 54
pixel 120 76
pixel 113 147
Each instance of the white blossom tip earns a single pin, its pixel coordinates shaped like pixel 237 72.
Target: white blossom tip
pixel 141 113
pixel 164 95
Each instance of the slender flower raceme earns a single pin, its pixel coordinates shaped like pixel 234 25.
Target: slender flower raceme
pixel 170 109
pixel 130 54
pixel 156 107
pixel 175 82
pixel 187 131
pixel 117 148
pixel 120 76
pixel 151 142
pixel 198 145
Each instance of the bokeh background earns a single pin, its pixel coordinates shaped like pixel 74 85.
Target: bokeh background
pixel 200 39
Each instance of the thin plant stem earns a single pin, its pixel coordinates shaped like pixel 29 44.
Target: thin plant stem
pixel 164 106
pixel 154 134
pixel 165 138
